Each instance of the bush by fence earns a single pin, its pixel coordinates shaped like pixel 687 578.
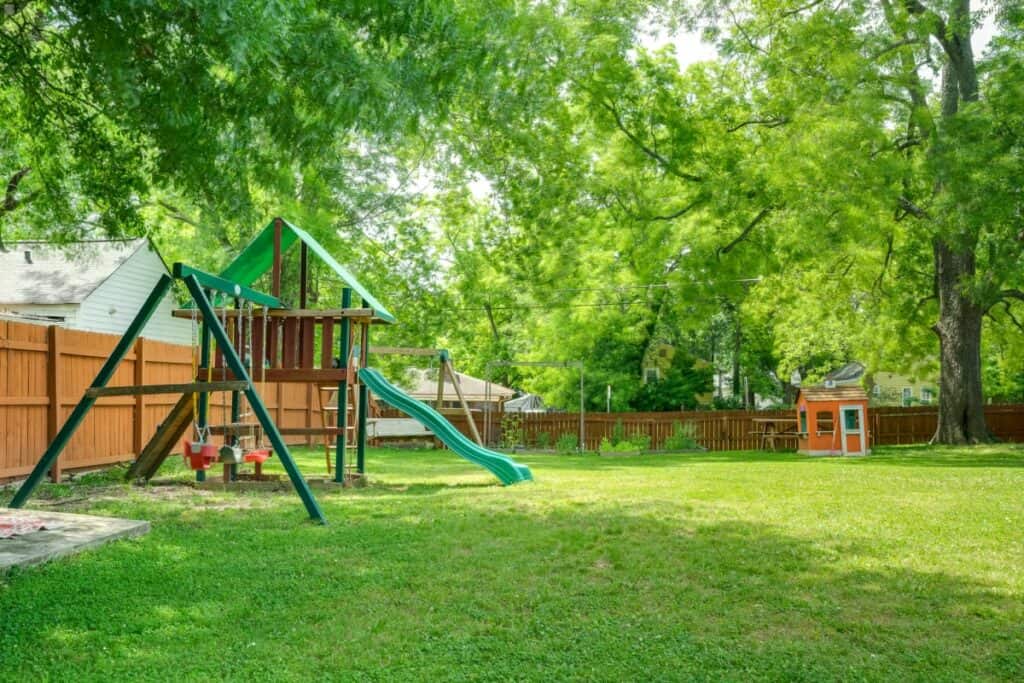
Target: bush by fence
pixel 724 430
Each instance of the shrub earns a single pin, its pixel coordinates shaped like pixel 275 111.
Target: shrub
pixel 543 440
pixel 627 446
pixel 683 438
pixel 641 441
pixel 566 443
pixel 511 430
pixel 618 433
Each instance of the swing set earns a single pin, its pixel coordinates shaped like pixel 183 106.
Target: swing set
pixel 257 340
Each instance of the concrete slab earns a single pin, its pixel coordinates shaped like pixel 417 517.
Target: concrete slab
pixel 64 534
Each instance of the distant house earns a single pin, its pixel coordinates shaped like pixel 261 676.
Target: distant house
pixel 657 361
pixel 423 386
pixel 97 286
pixel 527 403
pixel 887 388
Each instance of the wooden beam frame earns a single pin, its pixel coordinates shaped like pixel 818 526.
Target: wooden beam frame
pixel 336 313
pixel 153 389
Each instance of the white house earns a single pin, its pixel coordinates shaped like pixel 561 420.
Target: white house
pixel 95 285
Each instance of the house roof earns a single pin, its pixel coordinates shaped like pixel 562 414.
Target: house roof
pixel 851 372
pixel 527 403
pixel 52 274
pixel 258 257
pixel 424 387
pixel 837 393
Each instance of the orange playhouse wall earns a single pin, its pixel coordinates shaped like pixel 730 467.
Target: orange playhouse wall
pixel 812 443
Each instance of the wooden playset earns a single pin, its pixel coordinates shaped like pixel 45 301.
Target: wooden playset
pixel 244 338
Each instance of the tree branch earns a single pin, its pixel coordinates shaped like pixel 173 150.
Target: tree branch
pixel 11 196
pixel 773 122
pixel 667 165
pixel 912 209
pixel 1012 317
pixel 762 214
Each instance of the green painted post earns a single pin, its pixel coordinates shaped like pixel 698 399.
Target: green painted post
pixel 341 439
pixel 270 429
pixel 203 418
pixel 236 412
pixel 74 420
pixel 364 400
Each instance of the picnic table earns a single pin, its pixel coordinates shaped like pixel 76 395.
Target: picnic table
pixel 770 429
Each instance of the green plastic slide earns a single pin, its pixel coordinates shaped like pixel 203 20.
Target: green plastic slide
pixel 503 467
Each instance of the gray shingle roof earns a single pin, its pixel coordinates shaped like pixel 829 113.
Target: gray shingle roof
pixel 64 274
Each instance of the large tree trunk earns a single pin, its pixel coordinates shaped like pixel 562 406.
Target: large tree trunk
pixel 961 408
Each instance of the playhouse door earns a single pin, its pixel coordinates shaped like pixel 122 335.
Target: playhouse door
pixel 854 436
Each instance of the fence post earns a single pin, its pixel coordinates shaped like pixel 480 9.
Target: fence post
pixel 139 379
pixel 54 340
pixel 280 405
pixel 309 406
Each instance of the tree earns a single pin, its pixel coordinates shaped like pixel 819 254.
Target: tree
pixel 212 103
pixel 944 160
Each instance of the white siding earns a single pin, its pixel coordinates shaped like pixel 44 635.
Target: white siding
pixel 66 311
pixel 112 306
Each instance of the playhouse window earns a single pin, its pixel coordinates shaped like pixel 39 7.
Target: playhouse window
pixel 803 422
pixel 851 418
pixel 823 420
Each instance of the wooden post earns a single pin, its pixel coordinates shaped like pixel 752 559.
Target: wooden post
pixel 309 413
pixel 303 275
pixel 446 365
pixel 54 339
pixel 140 400
pixel 276 265
pixel 440 381
pixel 280 404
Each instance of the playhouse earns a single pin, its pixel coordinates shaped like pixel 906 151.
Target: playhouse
pixel 832 420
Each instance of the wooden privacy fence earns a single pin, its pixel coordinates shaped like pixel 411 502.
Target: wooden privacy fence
pixel 723 430
pixel 45 370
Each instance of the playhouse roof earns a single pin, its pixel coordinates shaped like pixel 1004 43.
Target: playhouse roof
pixel 258 257
pixel 837 393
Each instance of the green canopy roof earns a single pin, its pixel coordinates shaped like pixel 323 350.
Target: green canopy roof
pixel 258 258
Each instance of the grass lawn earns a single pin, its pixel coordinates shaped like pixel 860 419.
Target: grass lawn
pixel 908 564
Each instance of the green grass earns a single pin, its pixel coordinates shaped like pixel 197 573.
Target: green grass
pixel 908 565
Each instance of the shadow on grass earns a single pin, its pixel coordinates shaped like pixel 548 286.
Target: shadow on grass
pixel 433 593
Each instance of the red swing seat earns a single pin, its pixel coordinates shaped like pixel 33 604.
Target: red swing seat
pixel 257 455
pixel 200 456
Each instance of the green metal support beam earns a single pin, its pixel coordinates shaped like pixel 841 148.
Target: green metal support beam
pixel 232 289
pixel 74 420
pixel 234 362
pixel 341 441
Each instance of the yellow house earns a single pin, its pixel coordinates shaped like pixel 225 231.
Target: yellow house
pixel 658 359
pixel 894 389
pixel 888 388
